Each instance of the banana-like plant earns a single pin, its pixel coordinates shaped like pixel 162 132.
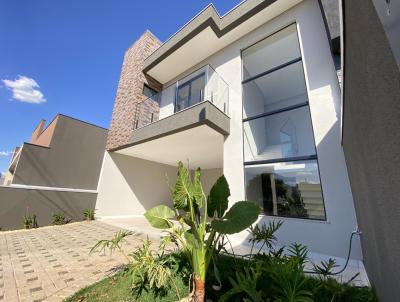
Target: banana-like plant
pixel 202 221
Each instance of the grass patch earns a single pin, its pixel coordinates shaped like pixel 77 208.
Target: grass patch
pixel 119 288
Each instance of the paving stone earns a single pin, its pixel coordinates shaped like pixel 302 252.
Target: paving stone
pixel 36 265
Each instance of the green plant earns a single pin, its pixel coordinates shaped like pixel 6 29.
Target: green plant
pixel 202 221
pixel 245 283
pixel 264 234
pixel 29 221
pixel 298 252
pixel 118 287
pixel 88 214
pixel 151 270
pixel 60 218
pixel 288 281
pixel 325 269
pixel 112 244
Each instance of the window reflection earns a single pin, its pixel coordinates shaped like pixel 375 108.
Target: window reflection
pixel 289 189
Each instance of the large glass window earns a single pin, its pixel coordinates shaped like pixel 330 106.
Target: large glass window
pixel 275 50
pixel 281 165
pixel 281 135
pixel 267 94
pixel 290 189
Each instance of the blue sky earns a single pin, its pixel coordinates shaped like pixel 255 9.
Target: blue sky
pixel 65 57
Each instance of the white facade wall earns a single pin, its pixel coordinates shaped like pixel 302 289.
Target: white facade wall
pixel 129 186
pixel 330 237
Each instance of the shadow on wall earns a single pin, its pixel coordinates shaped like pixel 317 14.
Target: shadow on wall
pixel 130 186
pixel 17 202
pixel 149 181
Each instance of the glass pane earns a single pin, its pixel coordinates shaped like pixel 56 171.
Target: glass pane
pixel 191 92
pixel 282 135
pixel 182 97
pixel 273 51
pixel 282 88
pixel 290 189
pixel 147 91
pixel 197 90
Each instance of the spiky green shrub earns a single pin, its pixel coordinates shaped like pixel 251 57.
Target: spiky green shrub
pixel 88 214
pixel 60 219
pixel 29 221
pixel 112 244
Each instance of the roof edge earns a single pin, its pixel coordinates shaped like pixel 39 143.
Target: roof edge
pixel 208 17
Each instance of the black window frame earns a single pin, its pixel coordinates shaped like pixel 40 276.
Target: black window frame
pixel 189 83
pixel 150 89
pixel 273 112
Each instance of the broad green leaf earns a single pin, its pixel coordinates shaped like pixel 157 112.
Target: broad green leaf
pixel 239 217
pixel 183 188
pixel 198 193
pixel 159 217
pixel 191 240
pixel 217 201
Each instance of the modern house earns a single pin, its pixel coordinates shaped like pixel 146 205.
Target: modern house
pixel 253 94
pixel 57 171
pixel 2 178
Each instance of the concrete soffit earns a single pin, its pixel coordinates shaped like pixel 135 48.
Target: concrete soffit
pixel 218 31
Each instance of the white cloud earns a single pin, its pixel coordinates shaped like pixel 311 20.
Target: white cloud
pixel 6 153
pixel 25 90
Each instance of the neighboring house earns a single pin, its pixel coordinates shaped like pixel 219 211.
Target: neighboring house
pixel 57 171
pixel 371 133
pixel 254 95
pixel 2 178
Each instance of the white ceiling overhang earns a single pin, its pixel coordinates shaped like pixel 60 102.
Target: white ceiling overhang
pixel 208 33
pixel 200 146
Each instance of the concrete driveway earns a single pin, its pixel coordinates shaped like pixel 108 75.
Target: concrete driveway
pixel 51 263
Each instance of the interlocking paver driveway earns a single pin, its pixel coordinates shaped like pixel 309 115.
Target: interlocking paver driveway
pixel 51 263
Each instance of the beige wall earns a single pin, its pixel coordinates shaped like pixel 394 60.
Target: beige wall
pixel 8 178
pixel 16 202
pixel 44 138
pixel 209 177
pixel 130 186
pixel 371 141
pixel 73 159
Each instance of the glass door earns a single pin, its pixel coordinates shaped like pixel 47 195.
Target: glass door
pixel 191 92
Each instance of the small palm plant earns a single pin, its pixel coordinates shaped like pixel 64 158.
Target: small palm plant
pixel 60 218
pixel 88 214
pixel 264 235
pixel 203 221
pixel 112 244
pixel 150 269
pixel 30 221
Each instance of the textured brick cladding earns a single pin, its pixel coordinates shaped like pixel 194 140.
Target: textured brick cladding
pixel 130 91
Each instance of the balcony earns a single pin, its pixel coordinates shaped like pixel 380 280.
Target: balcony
pixel 205 84
pixel 186 121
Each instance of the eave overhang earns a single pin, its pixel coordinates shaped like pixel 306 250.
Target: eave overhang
pixel 208 33
pixel 195 134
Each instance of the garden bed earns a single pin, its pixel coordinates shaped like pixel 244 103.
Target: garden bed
pixel 119 287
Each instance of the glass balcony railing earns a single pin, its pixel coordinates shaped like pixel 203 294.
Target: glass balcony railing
pixel 205 84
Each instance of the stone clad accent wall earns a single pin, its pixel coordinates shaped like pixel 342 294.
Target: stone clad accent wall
pixel 130 90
